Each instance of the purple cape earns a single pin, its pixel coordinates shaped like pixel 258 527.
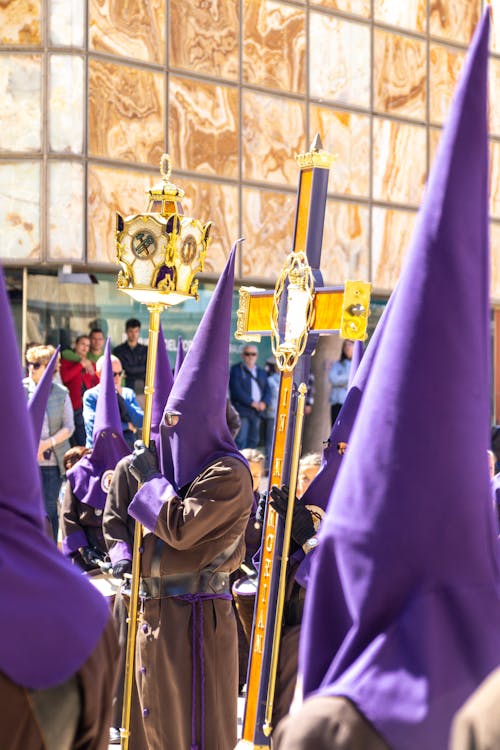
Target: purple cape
pixel 403 608
pixel 162 386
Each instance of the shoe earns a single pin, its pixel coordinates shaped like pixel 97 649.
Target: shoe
pixel 114 736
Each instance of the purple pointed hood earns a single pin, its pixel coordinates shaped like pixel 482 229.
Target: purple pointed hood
pixel 91 476
pixel 42 594
pixel 410 526
pixel 357 356
pixel 199 392
pixel 37 402
pixel 179 359
pixel 162 386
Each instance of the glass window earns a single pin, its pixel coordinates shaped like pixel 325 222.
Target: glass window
pixel 399 75
pixel 66 23
pixel 20 210
pixel 66 104
pixel 391 234
pixel 454 19
pixel 345 242
pixel 20 94
pixel 399 161
pixel 357 7
pixel 268 221
pixel 134 29
pixel 410 14
pixel 66 217
pixel 445 66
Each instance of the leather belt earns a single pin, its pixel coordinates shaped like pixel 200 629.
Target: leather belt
pixel 201 582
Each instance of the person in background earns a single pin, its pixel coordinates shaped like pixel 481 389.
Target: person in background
pixel 133 356
pixel 339 379
pixel 131 413
pixel 97 341
pixel 232 418
pixel 249 394
pixel 58 426
pixel 78 375
pixel 273 382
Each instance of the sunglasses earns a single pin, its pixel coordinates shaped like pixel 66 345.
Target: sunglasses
pixel 118 374
pixel 35 365
pixel 250 354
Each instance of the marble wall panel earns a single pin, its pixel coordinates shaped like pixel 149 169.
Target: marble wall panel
pixel 20 210
pixel 203 127
pixel 495 179
pixel 391 235
pixel 445 66
pixel 495 26
pixel 268 222
pixel 111 190
pixel 399 161
pixel 203 37
pixel 345 243
pixel 126 113
pixel 495 261
pixel 67 23
pixel 357 7
pixel 273 132
pixel 274 45
pixel 20 94
pixel 399 75
pixel 410 14
pixel 20 22
pixel 494 98
pixel 218 203
pixel 454 20
pixel 434 137
pixel 65 211
pixel 133 28
pixel 347 135
pixel 339 60
pixel 66 104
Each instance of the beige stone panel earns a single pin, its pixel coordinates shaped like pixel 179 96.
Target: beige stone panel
pixel 495 179
pixel 111 190
pixel 67 23
pixel 495 261
pixel 203 127
pixel 268 222
pixel 126 113
pixel 399 75
pixel 347 135
pixel 357 7
pixel 273 132
pixel 274 45
pixel 494 96
pixel 20 94
pixel 408 14
pixel 445 66
pixel 339 60
pixel 399 161
pixel 454 20
pixel 391 234
pixel 495 26
pixel 66 103
pixel 345 243
pixel 434 137
pixel 132 28
pixel 20 210
pixel 204 37
pixel 65 216
pixel 210 201
pixel 20 22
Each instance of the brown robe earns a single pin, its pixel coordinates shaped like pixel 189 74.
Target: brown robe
pixel 327 723
pixel 476 725
pixel 29 719
pixel 76 516
pixel 195 530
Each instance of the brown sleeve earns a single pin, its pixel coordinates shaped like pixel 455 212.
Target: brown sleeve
pixel 117 525
pixel 218 500
pixel 69 520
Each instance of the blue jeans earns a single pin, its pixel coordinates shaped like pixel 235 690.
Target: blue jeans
pixel 51 484
pixel 249 433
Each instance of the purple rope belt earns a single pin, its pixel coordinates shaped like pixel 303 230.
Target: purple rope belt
pixel 196 601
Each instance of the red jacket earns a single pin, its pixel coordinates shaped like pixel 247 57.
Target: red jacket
pixel 77 381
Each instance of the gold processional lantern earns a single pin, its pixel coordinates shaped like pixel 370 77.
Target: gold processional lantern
pixel 159 252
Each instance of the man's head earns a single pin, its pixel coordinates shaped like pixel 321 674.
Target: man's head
pixel 309 466
pixel 133 330
pixel 96 338
pixel 249 355
pixel 116 366
pixel 82 345
pixel 37 359
pixel 256 463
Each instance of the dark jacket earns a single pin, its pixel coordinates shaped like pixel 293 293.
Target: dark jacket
pixel 240 388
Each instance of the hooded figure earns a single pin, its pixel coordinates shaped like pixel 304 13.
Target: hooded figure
pixel 37 402
pixel 89 480
pixel 401 620
pixel 197 510
pixel 42 598
pixel 179 359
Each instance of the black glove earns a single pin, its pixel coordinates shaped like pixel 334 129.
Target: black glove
pixel 144 464
pixel 302 523
pixel 122 567
pixel 91 557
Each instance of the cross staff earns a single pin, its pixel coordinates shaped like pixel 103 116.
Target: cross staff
pixel 294 315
